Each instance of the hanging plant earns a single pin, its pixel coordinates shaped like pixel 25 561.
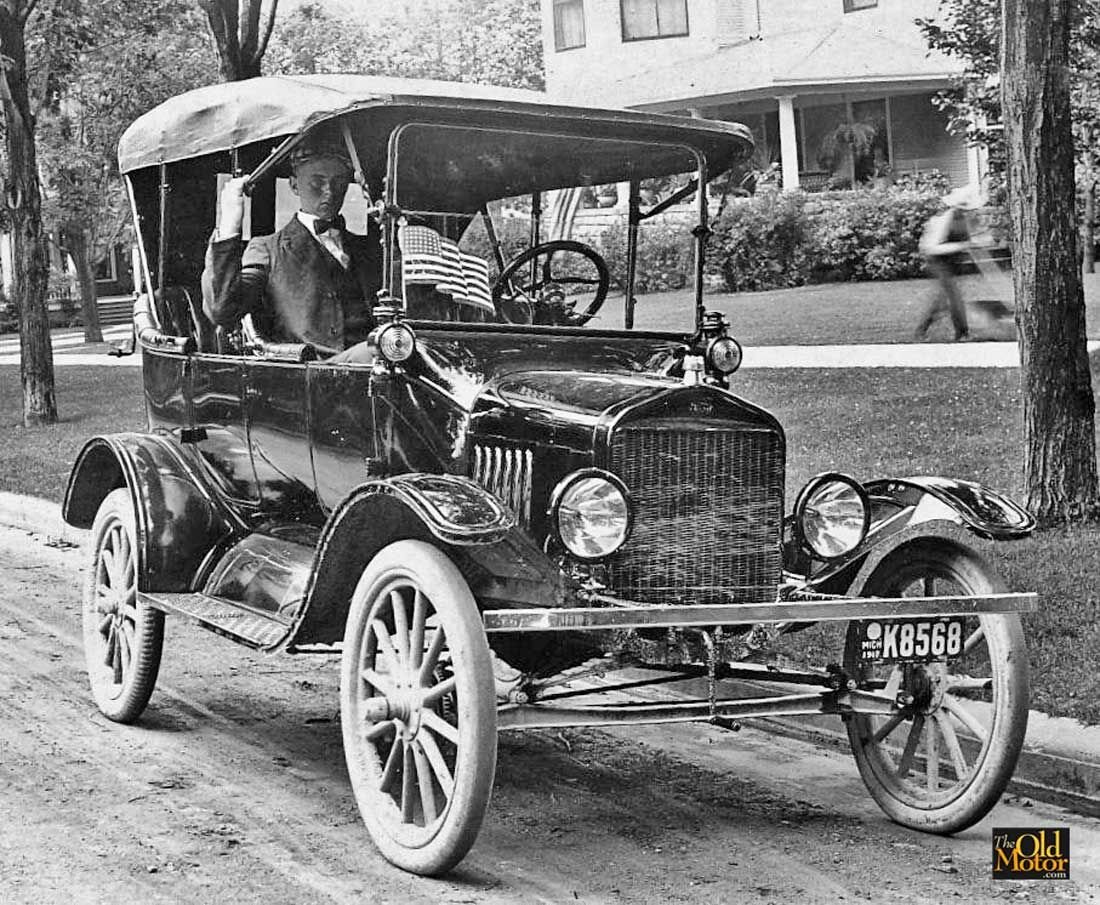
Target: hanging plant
pixel 859 138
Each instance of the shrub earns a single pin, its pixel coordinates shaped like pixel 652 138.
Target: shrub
pixel 775 241
pixel 760 243
pixel 513 234
pixel 664 256
pixel 930 182
pixel 868 235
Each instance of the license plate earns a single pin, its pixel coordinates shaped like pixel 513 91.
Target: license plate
pixel 911 640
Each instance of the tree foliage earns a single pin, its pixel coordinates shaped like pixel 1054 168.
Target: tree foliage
pixel 494 42
pixel 119 58
pixel 970 31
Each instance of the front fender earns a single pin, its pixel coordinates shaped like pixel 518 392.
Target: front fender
pixel 446 510
pixel 178 520
pixel 903 509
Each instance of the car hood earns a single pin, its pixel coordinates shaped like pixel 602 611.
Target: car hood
pixel 544 387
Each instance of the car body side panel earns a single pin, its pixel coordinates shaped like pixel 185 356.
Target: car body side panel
pixel 167 378
pixel 278 414
pixel 218 411
pixel 179 520
pixel 341 431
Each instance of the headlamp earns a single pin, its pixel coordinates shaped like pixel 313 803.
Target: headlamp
pixel 395 342
pixel 724 354
pixel 832 515
pixel 590 511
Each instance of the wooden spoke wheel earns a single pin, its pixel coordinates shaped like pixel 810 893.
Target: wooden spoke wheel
pixel 942 759
pixel 418 708
pixel 122 637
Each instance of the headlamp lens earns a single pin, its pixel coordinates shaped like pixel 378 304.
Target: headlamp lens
pixel 593 516
pixel 725 355
pixel 396 342
pixel 832 515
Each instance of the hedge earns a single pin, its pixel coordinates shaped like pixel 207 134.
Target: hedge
pixel 773 241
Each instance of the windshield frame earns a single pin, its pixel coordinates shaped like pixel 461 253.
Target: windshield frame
pixel 392 213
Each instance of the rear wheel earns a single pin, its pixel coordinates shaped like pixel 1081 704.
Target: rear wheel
pixel 123 637
pixel 941 760
pixel 418 708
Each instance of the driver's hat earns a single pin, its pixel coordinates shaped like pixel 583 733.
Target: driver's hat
pixel 320 146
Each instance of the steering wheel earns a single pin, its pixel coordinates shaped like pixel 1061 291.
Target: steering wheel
pixel 541 301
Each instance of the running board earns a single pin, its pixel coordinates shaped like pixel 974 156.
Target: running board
pixel 225 617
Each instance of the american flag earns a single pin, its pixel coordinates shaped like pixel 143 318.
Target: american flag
pixel 476 271
pixel 428 258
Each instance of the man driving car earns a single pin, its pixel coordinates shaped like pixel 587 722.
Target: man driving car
pixel 311 281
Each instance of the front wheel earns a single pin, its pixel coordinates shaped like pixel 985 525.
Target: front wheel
pixel 122 636
pixel 418 708
pixel 941 760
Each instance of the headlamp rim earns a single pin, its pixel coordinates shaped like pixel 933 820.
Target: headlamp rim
pixel 563 486
pixel 395 325
pixel 808 490
pixel 709 354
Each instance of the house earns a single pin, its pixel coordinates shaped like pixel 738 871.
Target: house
pixel 836 91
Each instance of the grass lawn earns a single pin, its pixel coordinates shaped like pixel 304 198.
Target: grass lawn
pixel 868 422
pixel 835 313
pixel 90 401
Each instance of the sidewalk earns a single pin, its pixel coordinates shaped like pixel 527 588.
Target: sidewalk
pixel 1060 762
pixel 882 355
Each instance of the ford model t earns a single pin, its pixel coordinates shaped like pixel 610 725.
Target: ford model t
pixel 510 494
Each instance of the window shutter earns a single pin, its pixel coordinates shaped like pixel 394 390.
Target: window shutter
pixel 733 21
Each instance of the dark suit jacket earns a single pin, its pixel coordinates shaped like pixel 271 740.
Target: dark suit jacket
pixel 293 288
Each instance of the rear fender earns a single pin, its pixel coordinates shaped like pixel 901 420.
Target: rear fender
pixel 903 509
pixel 450 511
pixel 179 522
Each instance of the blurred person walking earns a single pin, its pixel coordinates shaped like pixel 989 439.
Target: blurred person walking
pixel 945 244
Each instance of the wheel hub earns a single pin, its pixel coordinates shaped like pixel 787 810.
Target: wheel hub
pixel 927 684
pixel 406 705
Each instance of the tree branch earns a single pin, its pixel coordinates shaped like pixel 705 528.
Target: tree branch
pixel 25 13
pixel 250 28
pixel 261 48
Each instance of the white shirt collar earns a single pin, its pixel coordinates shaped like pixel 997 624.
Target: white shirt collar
pixel 307 220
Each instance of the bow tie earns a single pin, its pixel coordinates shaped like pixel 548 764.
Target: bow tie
pixel 323 226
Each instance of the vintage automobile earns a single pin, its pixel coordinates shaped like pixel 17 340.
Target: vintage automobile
pixel 516 509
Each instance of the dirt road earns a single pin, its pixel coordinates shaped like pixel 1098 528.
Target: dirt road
pixel 233 789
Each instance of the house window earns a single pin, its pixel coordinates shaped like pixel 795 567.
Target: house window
pixel 653 19
pixel 850 6
pixel 568 24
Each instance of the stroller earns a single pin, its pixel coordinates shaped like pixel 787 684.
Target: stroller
pixel 989 311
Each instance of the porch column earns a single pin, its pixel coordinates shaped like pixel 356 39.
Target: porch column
pixel 788 143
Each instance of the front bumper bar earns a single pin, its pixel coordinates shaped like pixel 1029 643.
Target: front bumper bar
pixel 620 614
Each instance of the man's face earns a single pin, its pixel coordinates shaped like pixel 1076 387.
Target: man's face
pixel 320 185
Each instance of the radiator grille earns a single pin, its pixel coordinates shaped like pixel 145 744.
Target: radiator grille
pixel 506 473
pixel 708 512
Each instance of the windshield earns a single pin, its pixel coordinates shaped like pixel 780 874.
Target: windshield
pixel 534 228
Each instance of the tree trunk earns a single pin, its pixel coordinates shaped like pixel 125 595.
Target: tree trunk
pixel 23 198
pixel 240 47
pixel 1059 410
pixel 76 241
